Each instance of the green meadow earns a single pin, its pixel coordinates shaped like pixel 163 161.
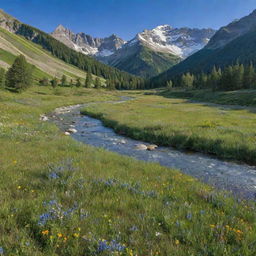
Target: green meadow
pixel 61 197
pixel 225 131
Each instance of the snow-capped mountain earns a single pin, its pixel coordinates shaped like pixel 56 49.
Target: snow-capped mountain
pixel 147 54
pixel 88 44
pixel 181 42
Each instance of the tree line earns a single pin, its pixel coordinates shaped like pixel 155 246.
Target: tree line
pixel 232 77
pixel 20 76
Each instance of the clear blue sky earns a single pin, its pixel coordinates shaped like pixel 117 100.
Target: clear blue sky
pixel 126 17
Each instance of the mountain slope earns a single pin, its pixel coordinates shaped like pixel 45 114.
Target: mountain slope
pixel 148 54
pixel 141 60
pixel 64 53
pixel 12 45
pixel 154 51
pixel 86 43
pixel 232 43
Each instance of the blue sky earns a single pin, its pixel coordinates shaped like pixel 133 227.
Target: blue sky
pixel 126 17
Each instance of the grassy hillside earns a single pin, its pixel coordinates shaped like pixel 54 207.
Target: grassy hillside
pixel 12 45
pixel 60 197
pixel 242 49
pixel 142 61
pixel 228 132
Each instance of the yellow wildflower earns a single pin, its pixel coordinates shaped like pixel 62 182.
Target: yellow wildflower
pixel 45 232
pixel 76 235
pixel 59 235
pixel 19 187
pixel 177 242
pixel 212 226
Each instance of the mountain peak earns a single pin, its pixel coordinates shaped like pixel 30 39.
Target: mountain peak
pixel 60 28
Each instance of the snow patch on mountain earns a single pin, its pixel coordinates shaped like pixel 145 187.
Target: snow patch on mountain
pixel 181 42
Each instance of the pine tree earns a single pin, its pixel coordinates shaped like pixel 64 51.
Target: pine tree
pixel 54 82
pixel 88 80
pixel 63 80
pixel 78 82
pixel 19 75
pixel 214 79
pixel 2 78
pixel 238 77
pixel 97 83
pixel 187 80
pixel 249 76
pixel 169 85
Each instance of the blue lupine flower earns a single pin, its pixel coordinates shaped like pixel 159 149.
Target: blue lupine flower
pixel 1 250
pixel 53 175
pixel 189 216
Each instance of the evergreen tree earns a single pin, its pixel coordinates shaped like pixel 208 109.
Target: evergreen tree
pixel 63 80
pixel 78 82
pixel 249 76
pixel 110 85
pixel 54 82
pixel 2 77
pixel 44 82
pixel 169 85
pixel 187 80
pixel 238 77
pixel 88 80
pixel 97 83
pixel 19 75
pixel 214 79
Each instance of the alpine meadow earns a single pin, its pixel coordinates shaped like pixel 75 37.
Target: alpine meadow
pixel 128 129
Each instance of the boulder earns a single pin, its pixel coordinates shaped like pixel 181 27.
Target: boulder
pixel 152 147
pixel 44 118
pixel 141 147
pixel 67 133
pixel 122 141
pixel 72 130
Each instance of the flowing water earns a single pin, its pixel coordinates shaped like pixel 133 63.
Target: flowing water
pixel 240 179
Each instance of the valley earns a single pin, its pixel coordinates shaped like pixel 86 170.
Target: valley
pixel 141 200
pixel 142 144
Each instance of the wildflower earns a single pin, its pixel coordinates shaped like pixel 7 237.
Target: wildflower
pixel 158 234
pixel 59 235
pixel 1 250
pixel 177 242
pixel 212 226
pixel 65 239
pixel 45 232
pixel 76 235
pixel 51 237
pixel 79 229
pixel 19 187
pixel 32 191
pixel 14 162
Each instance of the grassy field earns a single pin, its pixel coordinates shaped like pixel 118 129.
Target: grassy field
pixel 61 197
pixel 241 97
pixel 227 132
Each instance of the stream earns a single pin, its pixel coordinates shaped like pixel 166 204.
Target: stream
pixel 240 179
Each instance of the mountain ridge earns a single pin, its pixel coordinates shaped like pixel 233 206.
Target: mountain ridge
pixel 147 54
pixel 230 44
